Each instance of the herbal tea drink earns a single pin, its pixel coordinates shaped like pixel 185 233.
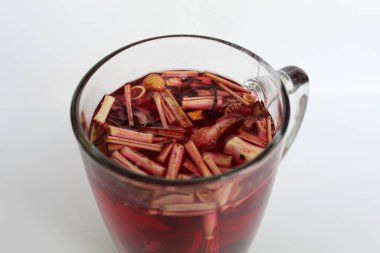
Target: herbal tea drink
pixel 189 223
pixel 184 161
pixel 183 125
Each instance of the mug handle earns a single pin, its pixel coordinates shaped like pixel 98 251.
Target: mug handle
pixel 296 82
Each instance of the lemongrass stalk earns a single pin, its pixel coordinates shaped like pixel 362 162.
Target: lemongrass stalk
pixel 211 164
pixel 114 147
pixel 261 130
pixel 128 103
pixel 116 155
pixel 174 82
pixel 226 82
pixel 191 167
pixel 168 113
pixel 269 125
pixel 252 139
pixel 241 150
pixel 179 114
pixel 130 134
pixel 202 103
pixel 143 161
pixel 157 100
pixel 104 110
pixel 181 74
pixel 132 143
pixel 175 161
pixel 234 94
pixel 165 153
pixel 197 158
pixel 175 133
pixel 221 160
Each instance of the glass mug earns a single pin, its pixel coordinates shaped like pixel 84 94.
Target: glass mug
pixel 214 214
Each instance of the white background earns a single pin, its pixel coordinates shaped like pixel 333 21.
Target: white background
pixel 327 193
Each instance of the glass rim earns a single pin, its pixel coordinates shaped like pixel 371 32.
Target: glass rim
pixel 108 164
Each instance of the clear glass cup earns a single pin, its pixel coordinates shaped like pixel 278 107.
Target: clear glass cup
pixel 216 214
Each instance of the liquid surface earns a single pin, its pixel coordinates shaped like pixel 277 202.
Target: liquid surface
pixel 183 114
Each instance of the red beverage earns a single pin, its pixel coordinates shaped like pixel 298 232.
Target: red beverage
pixel 140 231
pixel 182 125
pixel 137 230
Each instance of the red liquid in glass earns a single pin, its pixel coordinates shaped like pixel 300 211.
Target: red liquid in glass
pixel 137 229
